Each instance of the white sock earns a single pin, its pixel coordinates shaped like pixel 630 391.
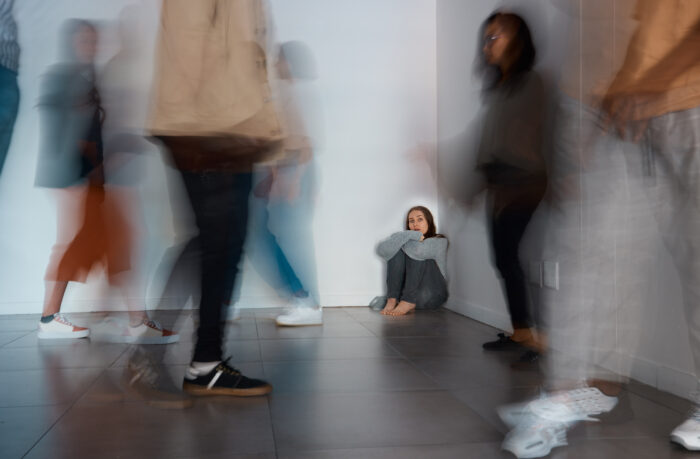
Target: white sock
pixel 204 367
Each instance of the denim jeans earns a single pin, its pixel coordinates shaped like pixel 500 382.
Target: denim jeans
pixel 9 104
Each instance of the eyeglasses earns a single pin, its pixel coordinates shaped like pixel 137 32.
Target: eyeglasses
pixel 489 39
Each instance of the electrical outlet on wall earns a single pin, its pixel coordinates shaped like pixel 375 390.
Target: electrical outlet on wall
pixel 535 273
pixel 550 274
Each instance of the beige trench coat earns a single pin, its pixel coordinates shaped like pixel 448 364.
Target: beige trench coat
pixel 210 76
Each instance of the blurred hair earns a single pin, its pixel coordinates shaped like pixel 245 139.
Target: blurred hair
pixel 522 46
pixel 69 29
pixel 299 59
pixel 432 230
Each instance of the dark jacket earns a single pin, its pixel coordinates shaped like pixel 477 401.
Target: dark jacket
pixel 71 148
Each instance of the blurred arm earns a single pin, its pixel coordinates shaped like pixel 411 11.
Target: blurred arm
pixel 660 76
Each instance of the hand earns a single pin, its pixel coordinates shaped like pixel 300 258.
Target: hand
pixel 621 111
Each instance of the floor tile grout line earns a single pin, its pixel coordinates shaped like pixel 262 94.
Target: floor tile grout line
pixel 441 386
pixel 18 338
pixel 395 446
pixel 272 422
pixel 645 397
pixel 415 366
pixel 70 407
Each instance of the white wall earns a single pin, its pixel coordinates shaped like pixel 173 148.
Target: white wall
pixel 377 83
pixel 377 78
pixel 663 358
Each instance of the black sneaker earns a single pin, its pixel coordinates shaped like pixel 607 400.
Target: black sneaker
pixel 152 383
pixel 224 380
pixel 503 343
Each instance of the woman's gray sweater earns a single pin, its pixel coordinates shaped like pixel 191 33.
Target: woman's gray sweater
pixel 434 248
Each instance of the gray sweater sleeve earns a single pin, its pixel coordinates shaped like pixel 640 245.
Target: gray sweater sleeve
pixel 434 248
pixel 390 246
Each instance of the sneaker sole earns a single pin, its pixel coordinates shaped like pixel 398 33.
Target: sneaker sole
pixel 203 391
pixel 135 340
pixel 680 441
pixel 72 335
pixel 306 324
pixel 533 454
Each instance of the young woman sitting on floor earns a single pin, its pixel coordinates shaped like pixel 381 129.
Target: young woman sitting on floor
pixel 416 260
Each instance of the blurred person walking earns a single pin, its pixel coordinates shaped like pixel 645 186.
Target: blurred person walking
pixel 652 103
pixel 93 226
pixel 213 112
pixel 510 158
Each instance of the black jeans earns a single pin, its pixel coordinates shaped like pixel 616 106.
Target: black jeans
pixel 416 281
pixel 219 201
pixel 507 229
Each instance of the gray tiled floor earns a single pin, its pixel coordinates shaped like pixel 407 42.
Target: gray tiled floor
pixel 361 386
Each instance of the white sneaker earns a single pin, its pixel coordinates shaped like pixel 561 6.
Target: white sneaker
pixel 585 402
pixel 688 433
pixel 301 316
pixel 147 332
pixel 541 425
pixel 61 328
pixel 535 437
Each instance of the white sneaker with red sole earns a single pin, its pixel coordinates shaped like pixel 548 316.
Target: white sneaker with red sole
pixel 61 328
pixel 149 331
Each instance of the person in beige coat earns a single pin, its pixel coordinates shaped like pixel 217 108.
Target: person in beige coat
pixel 213 113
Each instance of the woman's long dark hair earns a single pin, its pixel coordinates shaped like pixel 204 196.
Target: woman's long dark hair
pixel 522 45
pixel 432 230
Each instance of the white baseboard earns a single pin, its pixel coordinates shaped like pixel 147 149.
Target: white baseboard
pixel 676 382
pixel 480 313
pixel 175 303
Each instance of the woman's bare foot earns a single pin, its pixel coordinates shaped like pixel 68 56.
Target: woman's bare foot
pixel 390 306
pixel 403 308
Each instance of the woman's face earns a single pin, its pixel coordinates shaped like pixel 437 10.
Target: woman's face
pixel 417 222
pixel 497 39
pixel 85 45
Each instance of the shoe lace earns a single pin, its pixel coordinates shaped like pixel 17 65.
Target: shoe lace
pixel 586 401
pixel 225 368
pixel 152 323
pixel 58 317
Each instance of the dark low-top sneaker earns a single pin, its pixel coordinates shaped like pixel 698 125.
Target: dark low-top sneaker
pixel 503 343
pixel 223 380
pixel 152 383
